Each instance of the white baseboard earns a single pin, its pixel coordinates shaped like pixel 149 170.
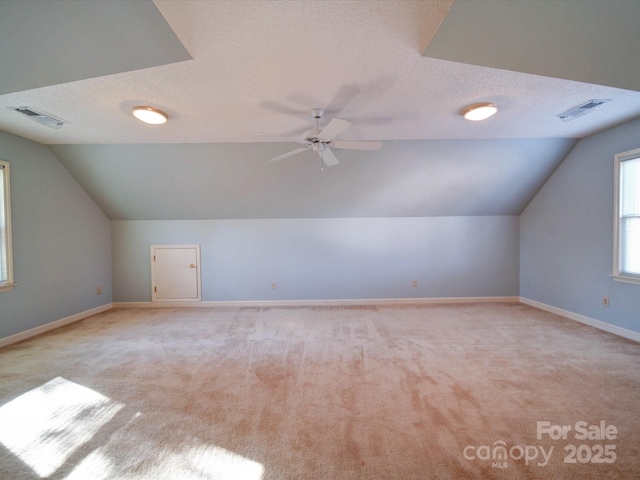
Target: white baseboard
pixel 319 303
pixel 18 337
pixel 607 327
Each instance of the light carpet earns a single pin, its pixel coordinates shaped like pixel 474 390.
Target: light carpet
pixel 400 392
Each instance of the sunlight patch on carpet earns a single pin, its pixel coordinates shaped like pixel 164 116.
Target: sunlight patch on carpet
pixel 204 462
pixel 95 466
pixel 46 425
pixel 216 462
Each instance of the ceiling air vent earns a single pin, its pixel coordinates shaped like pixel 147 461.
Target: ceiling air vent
pixel 39 117
pixel 580 110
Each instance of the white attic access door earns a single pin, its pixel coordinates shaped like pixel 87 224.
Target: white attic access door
pixel 175 273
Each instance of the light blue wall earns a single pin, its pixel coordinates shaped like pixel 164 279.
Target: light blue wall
pixel 355 258
pixel 567 234
pixel 558 252
pixel 61 241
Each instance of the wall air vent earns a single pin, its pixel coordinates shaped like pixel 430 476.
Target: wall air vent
pixel 580 110
pixel 39 117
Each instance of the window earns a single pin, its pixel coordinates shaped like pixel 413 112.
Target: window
pixel 6 269
pixel 626 266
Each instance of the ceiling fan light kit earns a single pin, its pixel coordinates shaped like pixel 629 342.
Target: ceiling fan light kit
pixel 150 115
pixel 320 140
pixel 479 111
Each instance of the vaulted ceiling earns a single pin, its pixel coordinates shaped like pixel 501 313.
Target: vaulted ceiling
pixel 238 80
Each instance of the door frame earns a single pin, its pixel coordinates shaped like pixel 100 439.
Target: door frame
pixel 153 274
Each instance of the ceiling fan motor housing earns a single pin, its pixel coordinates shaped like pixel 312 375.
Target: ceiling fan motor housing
pixel 312 135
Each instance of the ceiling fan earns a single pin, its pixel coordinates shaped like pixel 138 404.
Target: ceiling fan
pixel 322 140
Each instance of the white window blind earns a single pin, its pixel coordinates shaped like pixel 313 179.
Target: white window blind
pixel 3 227
pixel 629 217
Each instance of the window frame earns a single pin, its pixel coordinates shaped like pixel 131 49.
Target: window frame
pixel 6 204
pixel 617 275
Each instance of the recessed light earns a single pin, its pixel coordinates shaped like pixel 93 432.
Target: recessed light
pixel 478 111
pixel 150 115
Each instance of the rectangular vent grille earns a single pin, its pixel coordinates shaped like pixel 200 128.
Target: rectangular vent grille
pixel 581 110
pixel 39 117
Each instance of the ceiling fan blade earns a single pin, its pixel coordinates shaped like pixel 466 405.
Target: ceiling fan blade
pixel 328 158
pixel 333 129
pixel 290 154
pixel 357 145
pixel 345 95
pixel 284 109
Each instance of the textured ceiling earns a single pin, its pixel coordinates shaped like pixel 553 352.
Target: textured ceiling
pixel 258 67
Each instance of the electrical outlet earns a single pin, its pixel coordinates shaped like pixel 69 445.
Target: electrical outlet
pixel 414 283
pixel 605 301
pixel 98 290
pixel 274 285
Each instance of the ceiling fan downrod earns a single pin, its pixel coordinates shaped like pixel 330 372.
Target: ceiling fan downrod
pixel 317 114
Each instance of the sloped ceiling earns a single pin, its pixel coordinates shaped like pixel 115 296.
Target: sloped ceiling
pixel 58 45
pixel 555 38
pixel 223 180
pixel 259 67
